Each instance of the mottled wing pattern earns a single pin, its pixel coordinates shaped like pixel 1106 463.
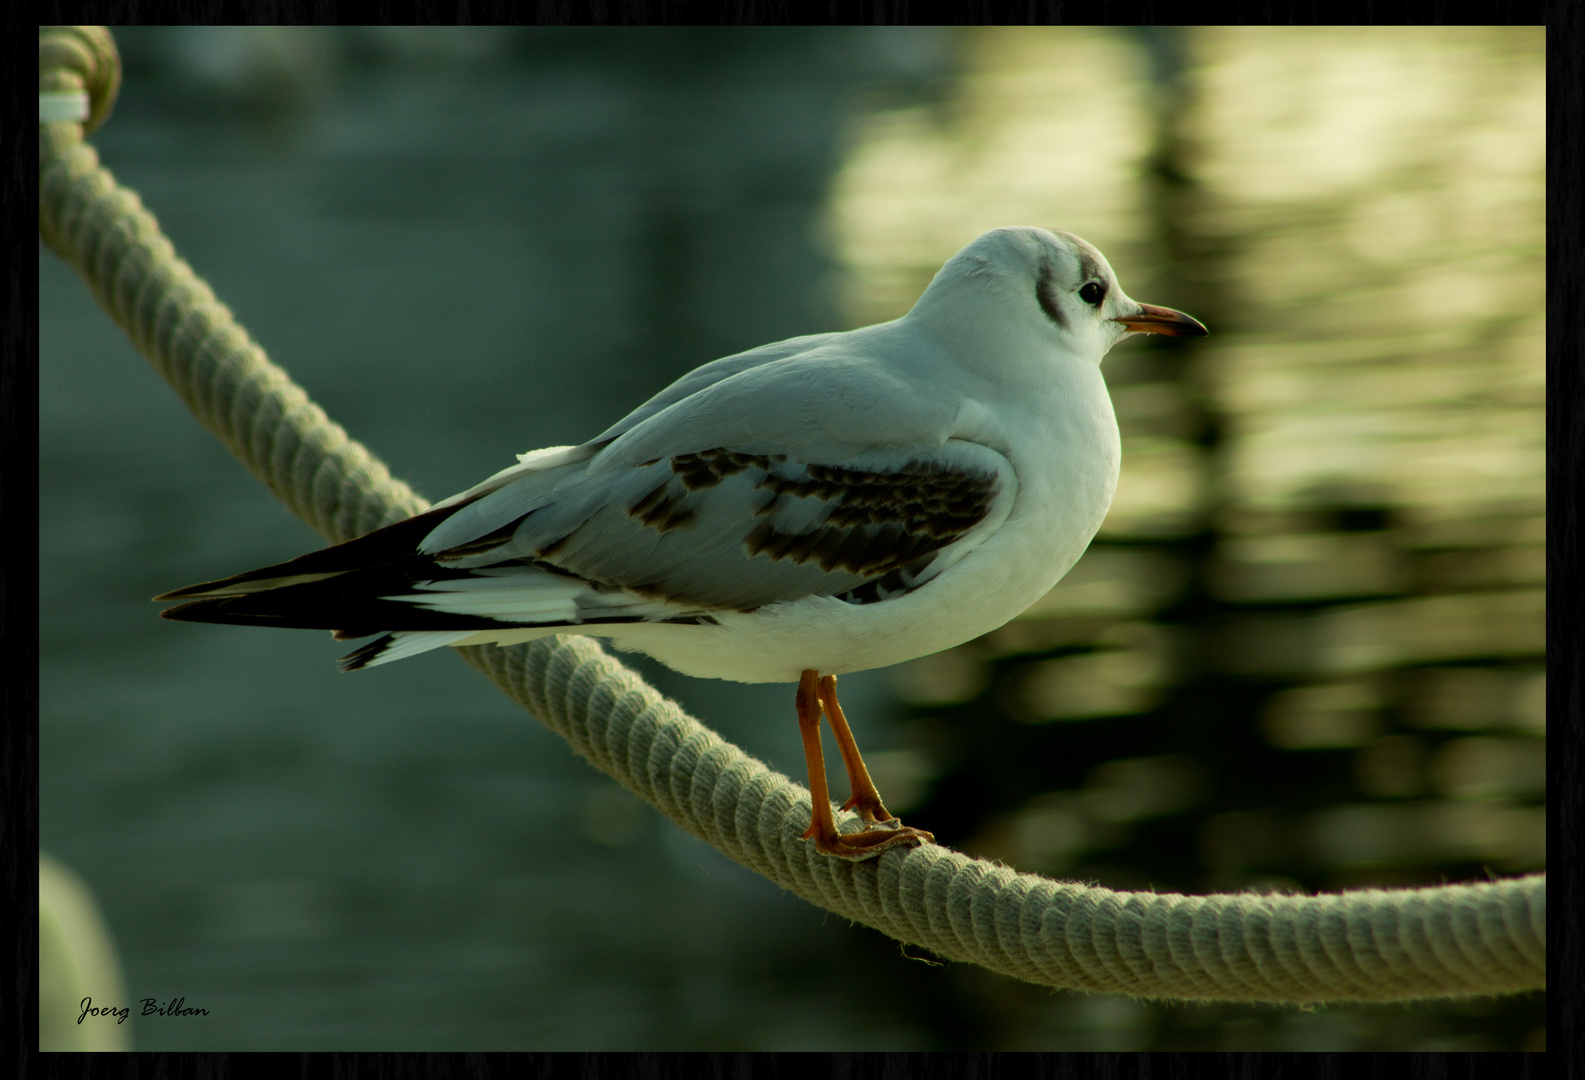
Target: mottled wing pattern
pixel 727 529
pixel 671 540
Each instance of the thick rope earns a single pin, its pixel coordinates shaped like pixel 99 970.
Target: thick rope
pixel 1373 945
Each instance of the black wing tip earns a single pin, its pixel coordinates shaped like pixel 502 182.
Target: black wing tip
pixel 187 592
pixel 192 611
pixel 379 545
pixel 222 588
pixel 223 611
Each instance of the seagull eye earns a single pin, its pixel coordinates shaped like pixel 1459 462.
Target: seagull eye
pixel 1092 293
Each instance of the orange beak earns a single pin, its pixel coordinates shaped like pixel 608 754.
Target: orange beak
pixel 1162 320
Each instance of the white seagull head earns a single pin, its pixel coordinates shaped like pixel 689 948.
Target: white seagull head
pixel 1035 290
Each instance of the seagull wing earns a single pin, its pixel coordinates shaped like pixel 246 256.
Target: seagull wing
pixel 730 529
pixel 753 489
pixel 782 481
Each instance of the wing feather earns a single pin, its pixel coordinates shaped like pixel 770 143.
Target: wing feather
pixel 728 529
pixel 693 503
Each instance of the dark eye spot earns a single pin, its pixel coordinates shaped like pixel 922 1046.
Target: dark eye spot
pixel 1092 293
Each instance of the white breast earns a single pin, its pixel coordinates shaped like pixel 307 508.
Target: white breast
pixel 1064 452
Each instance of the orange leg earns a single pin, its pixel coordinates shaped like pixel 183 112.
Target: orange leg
pixel 865 799
pixel 813 692
pixel 823 826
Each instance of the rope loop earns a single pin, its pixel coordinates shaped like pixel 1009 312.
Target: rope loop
pixel 82 59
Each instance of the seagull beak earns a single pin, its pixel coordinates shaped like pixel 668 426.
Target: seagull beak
pixel 1151 319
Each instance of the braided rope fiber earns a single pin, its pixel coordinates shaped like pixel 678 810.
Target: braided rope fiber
pixel 1372 945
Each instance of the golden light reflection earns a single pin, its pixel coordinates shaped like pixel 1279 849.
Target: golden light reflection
pixel 1362 212
pixel 1047 128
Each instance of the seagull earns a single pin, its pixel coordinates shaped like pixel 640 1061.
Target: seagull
pixel 825 504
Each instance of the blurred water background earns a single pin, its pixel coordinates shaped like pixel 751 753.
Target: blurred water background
pixel 1305 653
